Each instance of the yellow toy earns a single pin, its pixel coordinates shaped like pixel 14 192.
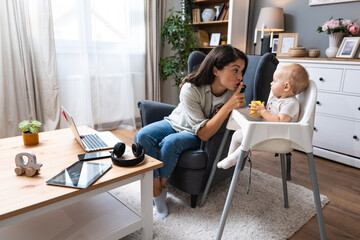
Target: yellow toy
pixel 251 111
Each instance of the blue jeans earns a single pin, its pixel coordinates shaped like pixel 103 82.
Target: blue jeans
pixel 162 142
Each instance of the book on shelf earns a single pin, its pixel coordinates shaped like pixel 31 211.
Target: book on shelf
pixel 227 12
pixel 220 12
pixel 204 38
pixel 196 15
pixel 197 37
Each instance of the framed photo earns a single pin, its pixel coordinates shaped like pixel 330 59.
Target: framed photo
pixel 348 47
pixel 322 2
pixel 274 46
pixel 215 39
pixel 285 42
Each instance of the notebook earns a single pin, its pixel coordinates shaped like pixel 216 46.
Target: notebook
pixel 80 174
pixel 90 142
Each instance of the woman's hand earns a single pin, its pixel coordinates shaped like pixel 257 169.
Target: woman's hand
pixel 237 100
pixel 212 126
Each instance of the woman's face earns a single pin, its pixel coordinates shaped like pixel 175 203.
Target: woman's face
pixel 230 77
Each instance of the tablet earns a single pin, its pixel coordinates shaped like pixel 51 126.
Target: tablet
pixel 80 175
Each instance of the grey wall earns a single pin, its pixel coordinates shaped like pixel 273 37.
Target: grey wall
pixel 303 19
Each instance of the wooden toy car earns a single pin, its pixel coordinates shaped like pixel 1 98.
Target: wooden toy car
pixel 30 168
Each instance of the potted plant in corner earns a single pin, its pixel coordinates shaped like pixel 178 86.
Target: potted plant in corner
pixel 30 131
pixel 223 39
pixel 179 34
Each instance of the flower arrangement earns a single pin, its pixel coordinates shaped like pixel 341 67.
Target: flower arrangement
pixel 339 25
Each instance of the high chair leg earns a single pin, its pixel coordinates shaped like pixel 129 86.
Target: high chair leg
pixel 284 181
pixel 288 165
pixel 237 170
pixel 212 173
pixel 316 192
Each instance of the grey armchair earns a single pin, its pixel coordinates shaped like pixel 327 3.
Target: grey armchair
pixel 194 167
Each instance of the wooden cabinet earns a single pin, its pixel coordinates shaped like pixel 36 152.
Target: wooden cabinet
pixel 235 27
pixel 337 118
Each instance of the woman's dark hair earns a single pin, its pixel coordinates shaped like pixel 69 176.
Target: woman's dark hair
pixel 218 57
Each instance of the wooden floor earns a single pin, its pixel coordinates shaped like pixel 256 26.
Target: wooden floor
pixel 340 183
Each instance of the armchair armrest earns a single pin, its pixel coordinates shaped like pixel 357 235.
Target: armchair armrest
pixel 151 111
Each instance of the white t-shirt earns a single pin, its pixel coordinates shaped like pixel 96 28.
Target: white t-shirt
pixel 289 106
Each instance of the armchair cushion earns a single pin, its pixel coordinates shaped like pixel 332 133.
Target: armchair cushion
pixel 195 159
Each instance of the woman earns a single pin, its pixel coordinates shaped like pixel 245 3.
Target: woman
pixel 213 90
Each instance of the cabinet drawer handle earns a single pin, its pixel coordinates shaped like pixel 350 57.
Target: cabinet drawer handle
pixel 315 129
pixel 355 137
pixel 317 102
pixel 321 79
pixel 359 108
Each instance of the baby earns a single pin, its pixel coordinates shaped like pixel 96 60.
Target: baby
pixel 282 106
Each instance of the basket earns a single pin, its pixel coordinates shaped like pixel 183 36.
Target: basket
pixel 314 53
pixel 297 52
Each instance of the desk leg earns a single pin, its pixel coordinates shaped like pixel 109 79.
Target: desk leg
pixel 147 206
pixel 212 173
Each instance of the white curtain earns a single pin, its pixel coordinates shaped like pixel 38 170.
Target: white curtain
pixel 28 75
pixel 100 49
pixel 155 12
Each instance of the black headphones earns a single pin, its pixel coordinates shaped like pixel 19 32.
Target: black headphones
pixel 119 150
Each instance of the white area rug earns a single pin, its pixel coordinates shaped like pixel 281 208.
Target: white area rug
pixel 258 215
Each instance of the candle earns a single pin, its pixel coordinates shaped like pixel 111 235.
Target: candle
pixel 262 31
pixel 271 39
pixel 255 36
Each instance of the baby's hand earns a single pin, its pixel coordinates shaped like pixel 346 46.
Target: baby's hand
pixel 256 107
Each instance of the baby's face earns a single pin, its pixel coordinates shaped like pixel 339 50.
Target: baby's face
pixel 278 83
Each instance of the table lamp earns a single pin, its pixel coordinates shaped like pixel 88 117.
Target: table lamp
pixel 271 19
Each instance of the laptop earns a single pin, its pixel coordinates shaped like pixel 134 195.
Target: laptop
pixel 90 142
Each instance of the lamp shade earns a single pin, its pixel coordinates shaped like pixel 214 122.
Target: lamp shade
pixel 272 18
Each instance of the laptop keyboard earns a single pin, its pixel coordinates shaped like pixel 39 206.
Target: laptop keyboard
pixel 93 141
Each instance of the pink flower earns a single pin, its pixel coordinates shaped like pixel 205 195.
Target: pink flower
pixel 325 26
pixel 346 22
pixel 353 29
pixel 334 23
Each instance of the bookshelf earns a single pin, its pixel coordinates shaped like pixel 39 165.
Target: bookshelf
pixel 234 26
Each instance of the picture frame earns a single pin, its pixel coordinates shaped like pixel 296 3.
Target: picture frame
pixel 215 39
pixel 274 46
pixel 323 2
pixel 348 47
pixel 285 42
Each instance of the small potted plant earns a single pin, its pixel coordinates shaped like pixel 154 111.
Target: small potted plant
pixel 30 130
pixel 223 39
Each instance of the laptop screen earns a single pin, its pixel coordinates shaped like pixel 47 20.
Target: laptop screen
pixel 71 122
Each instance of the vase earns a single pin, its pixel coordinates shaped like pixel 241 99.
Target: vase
pixel 208 14
pixel 334 43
